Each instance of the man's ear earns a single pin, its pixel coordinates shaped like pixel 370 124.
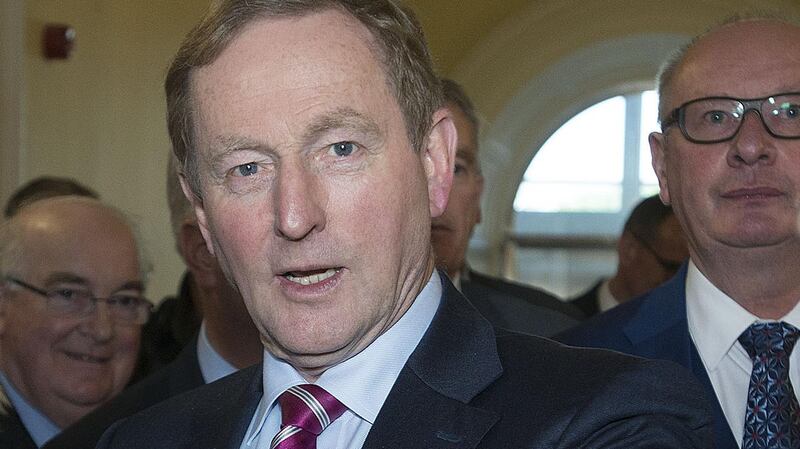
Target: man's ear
pixel 658 153
pixel 200 262
pixel 199 211
pixel 439 156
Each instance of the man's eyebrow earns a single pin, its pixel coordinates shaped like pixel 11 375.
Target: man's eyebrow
pixel 72 278
pixel 341 118
pixel 222 146
pixel 60 276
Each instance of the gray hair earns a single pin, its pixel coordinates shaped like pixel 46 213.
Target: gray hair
pixel 401 48
pixel 180 209
pixel 674 62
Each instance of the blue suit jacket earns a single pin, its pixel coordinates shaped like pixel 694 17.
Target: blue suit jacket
pixel 654 326
pixel 468 385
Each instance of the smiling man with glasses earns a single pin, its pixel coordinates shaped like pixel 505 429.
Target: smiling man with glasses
pixel 728 160
pixel 71 311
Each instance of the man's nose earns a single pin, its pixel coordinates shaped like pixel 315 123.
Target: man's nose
pixel 99 323
pixel 299 201
pixel 752 144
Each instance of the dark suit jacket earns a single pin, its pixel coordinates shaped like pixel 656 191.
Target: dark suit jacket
pixel 468 385
pixel 181 375
pixel 654 326
pixel 517 307
pixel 587 302
pixel 13 434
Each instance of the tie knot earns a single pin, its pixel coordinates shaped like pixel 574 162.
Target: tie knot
pixel 769 339
pixel 309 407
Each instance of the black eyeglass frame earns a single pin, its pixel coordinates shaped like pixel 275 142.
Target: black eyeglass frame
pixel 141 319
pixel 678 116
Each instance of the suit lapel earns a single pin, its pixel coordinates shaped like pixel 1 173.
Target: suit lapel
pixel 429 403
pixel 232 414
pixel 660 330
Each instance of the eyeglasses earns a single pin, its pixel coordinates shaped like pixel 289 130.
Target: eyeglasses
pixel 125 308
pixel 670 266
pixel 717 119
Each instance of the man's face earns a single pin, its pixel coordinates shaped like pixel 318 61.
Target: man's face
pixel 742 193
pixel 451 231
pixel 313 200
pixel 67 366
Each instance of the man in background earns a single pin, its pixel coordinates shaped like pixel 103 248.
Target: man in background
pixel 728 160
pixel 505 304
pixel 71 311
pixel 226 340
pixel 45 187
pixel 650 250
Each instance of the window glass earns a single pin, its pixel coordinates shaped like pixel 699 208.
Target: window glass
pixel 648 124
pixel 580 167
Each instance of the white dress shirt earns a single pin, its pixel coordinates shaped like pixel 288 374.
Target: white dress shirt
pixel 715 323
pixel 212 365
pixel 39 426
pixel 605 300
pixel 361 383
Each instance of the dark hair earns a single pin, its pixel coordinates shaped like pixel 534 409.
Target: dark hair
pixel 45 187
pixel 400 43
pixel 645 218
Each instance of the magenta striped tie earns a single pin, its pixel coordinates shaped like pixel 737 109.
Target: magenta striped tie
pixel 306 411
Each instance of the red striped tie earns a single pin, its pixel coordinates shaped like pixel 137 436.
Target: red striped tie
pixel 306 411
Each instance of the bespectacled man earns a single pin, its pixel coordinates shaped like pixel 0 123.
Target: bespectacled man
pixel 71 311
pixel 728 160
pixel 315 150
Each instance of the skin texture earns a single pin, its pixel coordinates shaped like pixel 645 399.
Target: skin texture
pixel 280 194
pixel 639 270
pixel 738 200
pixel 452 230
pixel 68 366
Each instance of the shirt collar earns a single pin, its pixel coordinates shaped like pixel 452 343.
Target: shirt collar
pixel 212 365
pixel 605 300
pixel 715 320
pixel 39 426
pixel 378 365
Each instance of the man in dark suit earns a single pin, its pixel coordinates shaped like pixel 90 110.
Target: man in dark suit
pixel 505 304
pixel 728 160
pixel 315 150
pixel 226 341
pixel 650 250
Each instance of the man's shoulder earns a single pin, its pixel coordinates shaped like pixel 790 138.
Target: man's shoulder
pixel 588 391
pixel 492 288
pixel 13 434
pixel 201 414
pixel 647 313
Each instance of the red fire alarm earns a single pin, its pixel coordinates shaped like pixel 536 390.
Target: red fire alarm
pixel 57 41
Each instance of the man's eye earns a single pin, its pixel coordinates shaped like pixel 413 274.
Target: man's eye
pixel 126 301
pixel 716 117
pixel 248 169
pixel 67 294
pixel 342 149
pixel 459 169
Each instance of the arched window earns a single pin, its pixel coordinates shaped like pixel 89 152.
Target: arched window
pixel 579 189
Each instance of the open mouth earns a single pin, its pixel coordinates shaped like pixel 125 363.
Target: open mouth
pixel 85 357
pixel 310 277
